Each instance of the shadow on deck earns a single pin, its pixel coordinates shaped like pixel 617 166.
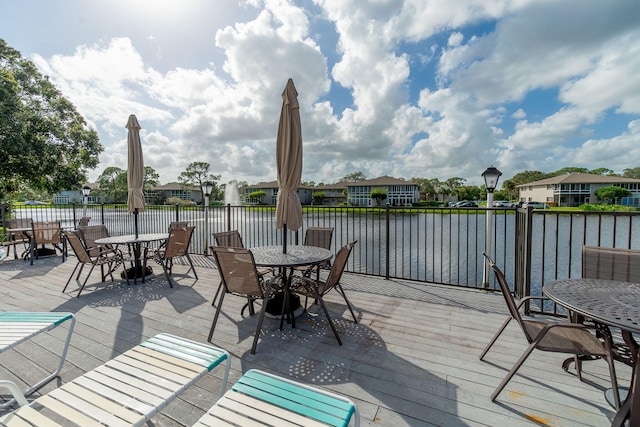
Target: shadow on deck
pixel 412 360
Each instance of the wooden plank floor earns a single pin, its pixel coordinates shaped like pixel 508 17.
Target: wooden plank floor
pixel 412 360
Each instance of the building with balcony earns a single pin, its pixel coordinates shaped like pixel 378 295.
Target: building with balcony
pixel 576 189
pixel 399 192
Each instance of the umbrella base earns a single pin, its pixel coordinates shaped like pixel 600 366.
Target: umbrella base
pixel 42 252
pixel 134 273
pixel 274 305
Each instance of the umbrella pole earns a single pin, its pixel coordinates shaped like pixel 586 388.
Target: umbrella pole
pixel 135 221
pixel 284 239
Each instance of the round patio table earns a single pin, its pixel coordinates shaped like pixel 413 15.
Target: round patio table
pixel 135 243
pixel 296 256
pixel 610 302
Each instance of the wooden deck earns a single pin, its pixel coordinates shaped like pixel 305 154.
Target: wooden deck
pixel 412 360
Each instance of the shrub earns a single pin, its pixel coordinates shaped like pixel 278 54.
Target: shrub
pixel 179 201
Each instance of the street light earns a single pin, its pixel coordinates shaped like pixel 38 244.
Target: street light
pixel 491 177
pixel 206 188
pixel 86 191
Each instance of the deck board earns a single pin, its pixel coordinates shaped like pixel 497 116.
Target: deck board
pixel 411 361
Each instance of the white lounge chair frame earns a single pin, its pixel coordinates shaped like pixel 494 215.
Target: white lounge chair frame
pixel 127 390
pixel 18 327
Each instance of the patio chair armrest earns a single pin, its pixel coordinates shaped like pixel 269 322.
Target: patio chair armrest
pixel 532 297
pixel 15 392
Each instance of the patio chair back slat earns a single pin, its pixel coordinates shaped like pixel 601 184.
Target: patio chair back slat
pixel 178 224
pixel 240 277
pixel 178 242
pixel 90 234
pixel 75 241
pixel 47 232
pixel 230 239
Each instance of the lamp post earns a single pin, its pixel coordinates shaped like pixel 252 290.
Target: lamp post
pixel 86 191
pixel 491 177
pixel 206 191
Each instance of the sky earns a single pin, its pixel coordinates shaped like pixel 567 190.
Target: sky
pixel 405 88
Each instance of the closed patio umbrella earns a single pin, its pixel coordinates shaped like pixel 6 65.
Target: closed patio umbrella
pixel 289 162
pixel 135 170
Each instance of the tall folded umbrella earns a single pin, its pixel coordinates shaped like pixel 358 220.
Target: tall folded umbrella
pixel 135 170
pixel 289 162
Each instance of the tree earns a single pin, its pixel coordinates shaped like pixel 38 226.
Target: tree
pixel 44 142
pixel 470 192
pixel 631 173
pixel 151 178
pixel 378 195
pixel 452 185
pixel 318 197
pixel 110 186
pixel 510 186
pixel 198 173
pixel 567 170
pixel 113 182
pixel 354 177
pixel 258 196
pixel 603 171
pixel 612 193
pixel 427 186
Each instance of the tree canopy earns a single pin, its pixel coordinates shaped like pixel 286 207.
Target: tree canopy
pixel 354 177
pixel 112 182
pixel 612 193
pixel 44 142
pixel 196 174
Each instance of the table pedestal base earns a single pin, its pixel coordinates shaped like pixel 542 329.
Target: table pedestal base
pixel 134 273
pixel 274 305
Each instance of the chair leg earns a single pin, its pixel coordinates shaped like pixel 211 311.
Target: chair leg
pixel 215 297
pixel 341 291
pixel 260 319
pixel 69 280
pixel 513 371
pixel 192 268
pixel 326 312
pixel 495 338
pixel 85 280
pixel 215 316
pixel 167 272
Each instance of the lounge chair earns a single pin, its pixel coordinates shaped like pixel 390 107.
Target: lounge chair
pixel 548 335
pixel 18 327
pixel 125 391
pixel 278 401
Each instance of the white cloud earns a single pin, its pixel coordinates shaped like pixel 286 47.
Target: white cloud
pixel 455 39
pixel 402 118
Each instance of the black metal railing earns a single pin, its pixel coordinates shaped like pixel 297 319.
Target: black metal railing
pixel 437 245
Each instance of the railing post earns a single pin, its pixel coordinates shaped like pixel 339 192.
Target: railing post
pixel 3 208
pixel 228 216
pixel 387 241
pixel 102 213
pixel 73 208
pixel 177 212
